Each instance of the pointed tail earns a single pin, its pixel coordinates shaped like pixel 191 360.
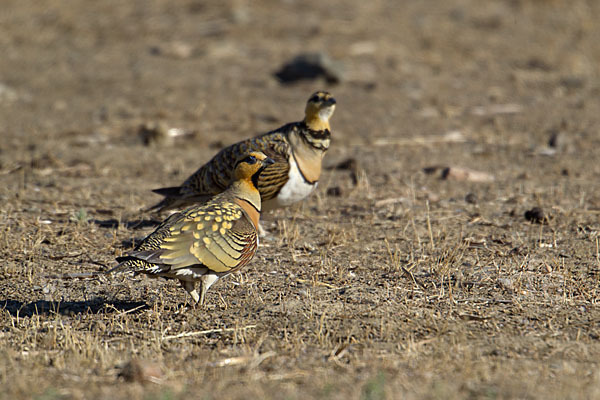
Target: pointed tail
pixel 122 266
pixel 171 194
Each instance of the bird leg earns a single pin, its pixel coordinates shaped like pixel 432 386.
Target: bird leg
pixel 190 287
pixel 202 295
pixel 207 281
pixel 262 232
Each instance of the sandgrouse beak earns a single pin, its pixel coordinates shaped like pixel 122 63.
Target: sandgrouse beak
pixel 330 101
pixel 268 161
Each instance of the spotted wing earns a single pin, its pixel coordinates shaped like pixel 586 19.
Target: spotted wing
pixel 219 237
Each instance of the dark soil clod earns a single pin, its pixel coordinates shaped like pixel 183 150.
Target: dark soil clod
pixel 471 198
pixel 536 215
pixel 141 372
pixel 310 66
pixel 334 191
pixel 349 164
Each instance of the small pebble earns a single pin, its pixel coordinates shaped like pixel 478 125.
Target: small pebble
pixel 141 372
pixel 471 198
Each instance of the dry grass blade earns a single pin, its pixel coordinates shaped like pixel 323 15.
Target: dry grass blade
pixel 253 360
pixel 74 275
pixel 206 332
pixel 395 259
pixel 412 277
pixel 450 137
pixel 497 109
pixel 317 283
pixel 389 201
pixel 121 313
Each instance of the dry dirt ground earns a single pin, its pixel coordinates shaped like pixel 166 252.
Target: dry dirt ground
pixel 392 281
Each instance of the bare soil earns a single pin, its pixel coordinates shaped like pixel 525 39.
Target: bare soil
pixel 411 273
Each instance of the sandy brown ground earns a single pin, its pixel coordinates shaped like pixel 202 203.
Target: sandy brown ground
pixel 405 285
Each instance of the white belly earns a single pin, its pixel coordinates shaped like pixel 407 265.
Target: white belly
pixel 295 189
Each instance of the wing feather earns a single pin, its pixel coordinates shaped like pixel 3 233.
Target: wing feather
pixel 214 176
pixel 220 237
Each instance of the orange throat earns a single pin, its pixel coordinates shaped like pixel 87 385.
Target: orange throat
pixel 316 124
pixel 250 210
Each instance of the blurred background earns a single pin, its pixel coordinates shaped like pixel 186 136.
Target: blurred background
pixel 111 75
pixel 82 70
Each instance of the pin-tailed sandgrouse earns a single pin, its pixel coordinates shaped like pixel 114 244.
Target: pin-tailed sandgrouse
pixel 208 241
pixel 297 148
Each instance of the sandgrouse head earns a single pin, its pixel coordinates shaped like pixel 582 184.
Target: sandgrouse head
pixel 249 166
pixel 319 109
